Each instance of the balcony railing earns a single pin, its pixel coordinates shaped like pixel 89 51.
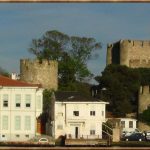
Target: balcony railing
pixel 72 136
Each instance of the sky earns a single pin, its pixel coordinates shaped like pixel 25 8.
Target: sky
pixel 106 22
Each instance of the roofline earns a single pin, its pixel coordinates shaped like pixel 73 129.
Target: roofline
pixel 25 87
pixel 120 118
pixel 16 82
pixel 76 102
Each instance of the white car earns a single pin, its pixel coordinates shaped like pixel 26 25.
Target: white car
pixel 43 141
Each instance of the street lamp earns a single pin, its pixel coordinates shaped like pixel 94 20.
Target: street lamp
pixel 102 90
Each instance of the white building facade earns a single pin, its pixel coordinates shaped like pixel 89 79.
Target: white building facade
pixel 79 119
pixel 128 124
pixel 20 104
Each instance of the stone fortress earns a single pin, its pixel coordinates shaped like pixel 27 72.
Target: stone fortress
pixel 45 73
pixel 134 54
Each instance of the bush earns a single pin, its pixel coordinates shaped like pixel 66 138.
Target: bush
pixel 144 117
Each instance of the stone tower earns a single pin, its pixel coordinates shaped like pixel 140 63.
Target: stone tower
pixel 45 73
pixel 132 53
pixel 144 98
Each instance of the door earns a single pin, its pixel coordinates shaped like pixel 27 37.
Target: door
pixel 76 132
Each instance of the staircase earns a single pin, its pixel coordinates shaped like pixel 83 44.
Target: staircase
pixel 108 136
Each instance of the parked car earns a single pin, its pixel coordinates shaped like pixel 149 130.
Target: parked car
pixel 134 137
pixel 43 141
pixel 147 135
pixel 128 133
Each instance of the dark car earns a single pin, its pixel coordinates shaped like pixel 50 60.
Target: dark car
pixel 147 135
pixel 135 137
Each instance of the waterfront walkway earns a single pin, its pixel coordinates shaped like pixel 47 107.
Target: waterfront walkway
pixel 75 148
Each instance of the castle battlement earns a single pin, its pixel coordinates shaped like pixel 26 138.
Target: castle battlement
pixel 143 98
pixel 132 53
pixel 44 72
pixel 136 43
pixel 144 90
pixel 133 43
pixel 37 62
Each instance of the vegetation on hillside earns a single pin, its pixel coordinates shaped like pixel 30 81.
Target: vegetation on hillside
pixel 122 84
pixel 72 54
pixel 47 97
pixel 145 116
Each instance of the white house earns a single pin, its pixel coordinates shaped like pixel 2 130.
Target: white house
pixel 128 124
pixel 77 116
pixel 15 76
pixel 20 105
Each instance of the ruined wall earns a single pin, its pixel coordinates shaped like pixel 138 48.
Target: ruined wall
pixel 113 53
pixel 132 53
pixel 45 73
pixel 144 98
pixel 143 126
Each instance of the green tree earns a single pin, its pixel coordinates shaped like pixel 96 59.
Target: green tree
pixel 144 117
pixel 50 46
pixel 4 72
pixel 122 84
pixel 144 75
pixel 47 96
pixel 72 54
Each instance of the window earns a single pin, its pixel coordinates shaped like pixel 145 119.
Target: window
pixel 92 132
pixel 38 102
pixel 27 135
pixel 3 135
pixel 130 124
pixel 28 100
pixel 5 103
pixel 76 113
pixel 92 113
pixel 123 124
pixel 17 135
pixel 18 100
pixel 5 123
pixel 5 100
pixel 60 127
pixel 17 122
pixel 27 122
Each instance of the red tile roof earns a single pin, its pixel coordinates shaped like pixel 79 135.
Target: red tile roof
pixel 5 81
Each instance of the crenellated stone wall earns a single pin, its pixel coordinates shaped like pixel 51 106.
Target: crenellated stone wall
pixel 144 98
pixel 45 73
pixel 132 53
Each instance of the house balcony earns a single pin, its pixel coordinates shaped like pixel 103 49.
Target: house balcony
pixel 81 136
pixel 75 120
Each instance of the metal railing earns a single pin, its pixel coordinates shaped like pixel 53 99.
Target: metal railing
pixel 106 134
pixel 72 136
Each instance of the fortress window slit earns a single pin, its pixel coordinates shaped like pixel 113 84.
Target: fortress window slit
pixel 142 89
